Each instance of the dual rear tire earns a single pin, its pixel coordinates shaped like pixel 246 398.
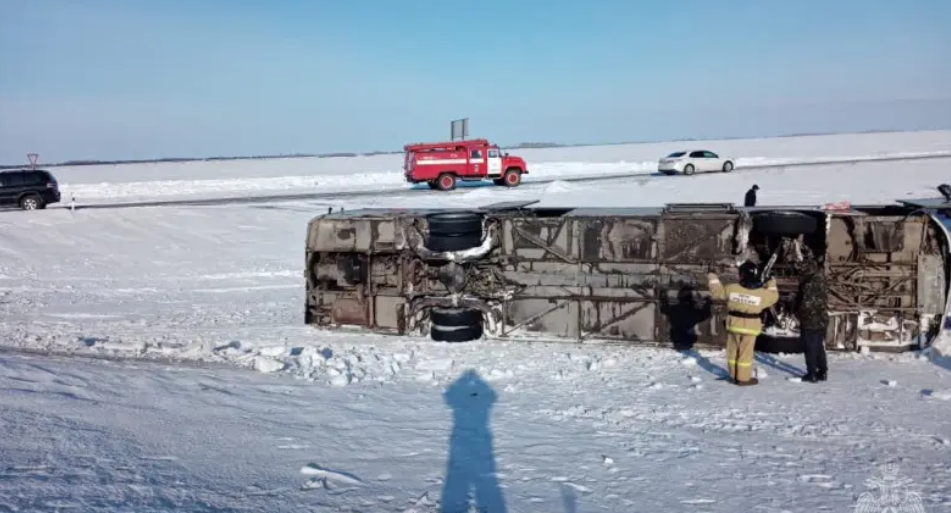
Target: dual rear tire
pixel 454 231
pixel 455 324
pixel 781 223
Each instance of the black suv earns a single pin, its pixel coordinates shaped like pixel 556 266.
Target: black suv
pixel 28 189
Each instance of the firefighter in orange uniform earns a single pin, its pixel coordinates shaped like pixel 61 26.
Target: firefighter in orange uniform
pixel 746 301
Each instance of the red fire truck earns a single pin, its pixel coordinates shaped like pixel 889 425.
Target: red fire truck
pixel 442 164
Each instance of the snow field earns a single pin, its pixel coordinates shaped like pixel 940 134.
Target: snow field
pixel 605 428
pixel 338 421
pixel 167 181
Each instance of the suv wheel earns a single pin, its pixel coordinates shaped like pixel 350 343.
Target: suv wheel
pixel 31 202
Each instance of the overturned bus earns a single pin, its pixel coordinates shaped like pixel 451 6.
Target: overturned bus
pixel 632 275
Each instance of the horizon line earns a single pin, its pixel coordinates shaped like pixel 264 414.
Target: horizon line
pixel 529 145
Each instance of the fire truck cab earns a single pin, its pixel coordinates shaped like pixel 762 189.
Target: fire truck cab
pixel 442 164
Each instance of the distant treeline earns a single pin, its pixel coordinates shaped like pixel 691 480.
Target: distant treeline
pixel 524 145
pixel 91 162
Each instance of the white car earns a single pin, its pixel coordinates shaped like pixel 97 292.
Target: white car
pixel 694 161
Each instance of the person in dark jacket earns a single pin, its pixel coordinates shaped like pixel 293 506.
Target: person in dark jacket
pixel 750 199
pixel 813 314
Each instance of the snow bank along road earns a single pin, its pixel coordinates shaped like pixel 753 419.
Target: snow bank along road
pixel 308 176
pixel 377 423
pixel 465 187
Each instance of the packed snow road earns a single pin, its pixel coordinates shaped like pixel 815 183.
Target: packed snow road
pixel 531 183
pixel 530 186
pixel 369 176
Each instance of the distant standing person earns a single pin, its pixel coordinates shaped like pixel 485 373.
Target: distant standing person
pixel 813 314
pixel 750 200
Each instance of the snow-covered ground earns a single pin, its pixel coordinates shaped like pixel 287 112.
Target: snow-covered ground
pixel 192 180
pixel 570 430
pixel 332 421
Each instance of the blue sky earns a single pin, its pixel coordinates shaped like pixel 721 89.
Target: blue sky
pixel 150 78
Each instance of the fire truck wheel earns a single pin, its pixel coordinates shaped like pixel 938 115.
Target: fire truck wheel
pixel 455 317
pixel 513 177
pixel 446 182
pixel 445 334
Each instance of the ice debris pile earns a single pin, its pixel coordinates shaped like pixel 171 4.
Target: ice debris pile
pixel 343 364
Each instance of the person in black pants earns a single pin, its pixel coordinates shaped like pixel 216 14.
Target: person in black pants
pixel 813 314
pixel 750 199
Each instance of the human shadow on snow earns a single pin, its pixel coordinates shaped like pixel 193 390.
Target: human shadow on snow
pixel 937 353
pixel 683 316
pixel 779 365
pixel 569 500
pixel 471 466
pixel 940 359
